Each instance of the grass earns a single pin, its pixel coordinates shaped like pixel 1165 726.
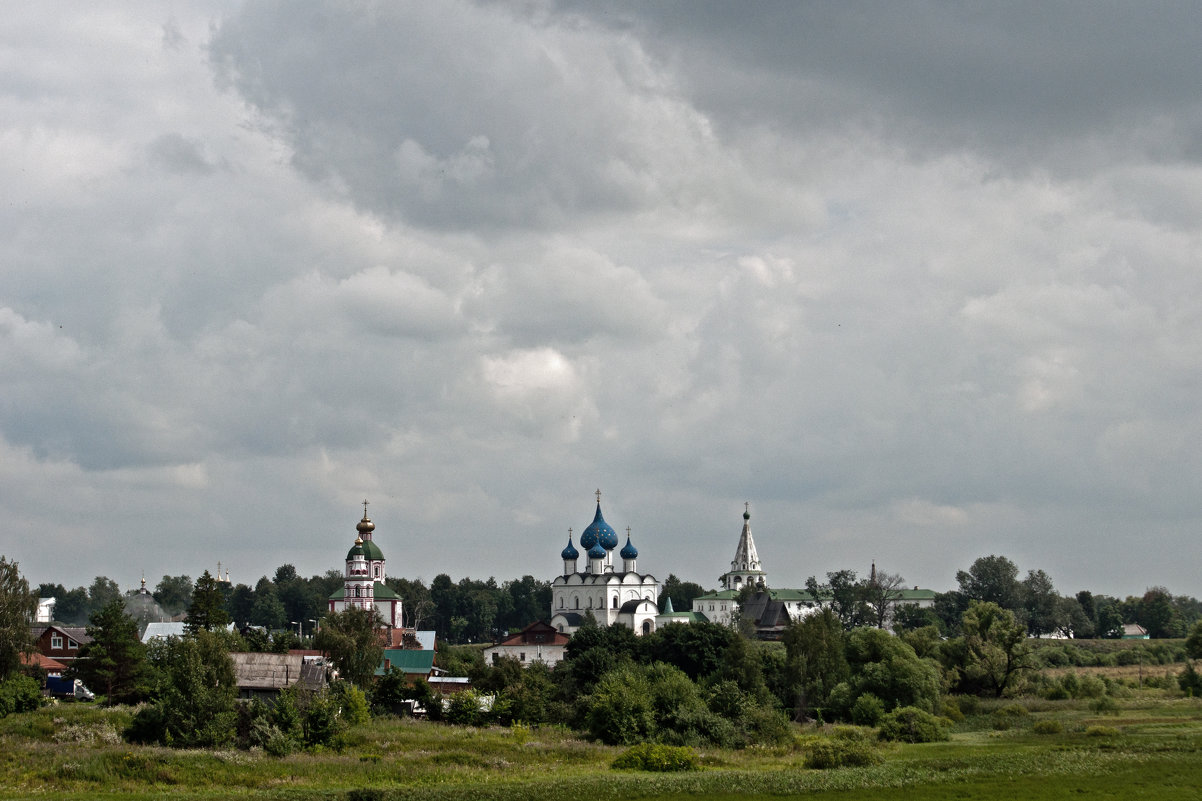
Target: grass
pixel 1151 748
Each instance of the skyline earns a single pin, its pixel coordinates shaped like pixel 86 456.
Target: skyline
pixel 920 282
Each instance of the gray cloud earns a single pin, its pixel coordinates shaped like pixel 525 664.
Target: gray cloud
pixel 918 281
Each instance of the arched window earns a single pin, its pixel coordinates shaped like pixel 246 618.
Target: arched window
pixel 377 571
pixel 590 602
pixel 576 603
pixel 561 602
pixel 646 626
pixel 357 592
pixel 615 602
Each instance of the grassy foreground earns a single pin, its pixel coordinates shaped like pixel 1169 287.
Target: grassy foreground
pixel 1150 747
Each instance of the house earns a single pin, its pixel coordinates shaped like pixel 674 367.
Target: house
pixel 1134 631
pixel 414 664
pixel 538 642
pixel 769 615
pixel 670 615
pixel 264 675
pixel 61 643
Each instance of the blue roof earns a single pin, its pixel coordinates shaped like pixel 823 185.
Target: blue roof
pixel 599 532
pixel 628 550
pixel 596 552
pixel 569 552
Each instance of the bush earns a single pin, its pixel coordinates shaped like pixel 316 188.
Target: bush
pixel 19 694
pixel 951 710
pixel 910 724
pixel 867 710
pixel 841 752
pixel 1101 731
pixel 1048 727
pixel 1190 681
pixel 654 757
pixel 1105 706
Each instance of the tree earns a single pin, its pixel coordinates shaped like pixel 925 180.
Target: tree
pixel 881 593
pixel 17 606
pixel 199 690
pixel 1157 614
pixel 815 660
pixel 207 610
pixel 1042 606
pixel 889 669
pixel 102 593
pixel 682 593
pixel 114 662
pixel 993 579
pixel 842 594
pixel 174 593
pixel 352 639
pixel 267 610
pixel 996 649
pixel 1193 643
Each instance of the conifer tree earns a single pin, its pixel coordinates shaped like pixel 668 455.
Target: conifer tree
pixel 207 610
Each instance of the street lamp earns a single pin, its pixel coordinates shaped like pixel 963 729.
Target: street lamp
pixel 297 623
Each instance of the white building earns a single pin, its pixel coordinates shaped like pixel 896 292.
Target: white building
pixel 612 594
pixel 363 581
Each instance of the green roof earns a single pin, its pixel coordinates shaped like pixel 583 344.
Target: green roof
pixel 804 596
pixel 407 661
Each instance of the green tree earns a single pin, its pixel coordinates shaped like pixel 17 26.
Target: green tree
pixel 199 689
pixel 697 649
pixel 995 649
pixel 1193 643
pixel 207 609
pixel 1157 614
pixel 352 639
pixel 114 662
pixel 174 593
pixel 993 579
pixel 17 606
pixel 267 610
pixel 682 593
pixel 887 668
pixel 1042 606
pixel 102 593
pixel 842 594
pixel 815 660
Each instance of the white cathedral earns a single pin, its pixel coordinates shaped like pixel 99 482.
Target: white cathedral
pixel 612 595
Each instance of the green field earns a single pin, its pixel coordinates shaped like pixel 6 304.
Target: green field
pixel 1150 747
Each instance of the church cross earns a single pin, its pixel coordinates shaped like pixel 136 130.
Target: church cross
pixel 598 496
pixel 365 507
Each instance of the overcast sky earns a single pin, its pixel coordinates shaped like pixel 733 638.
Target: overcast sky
pixel 919 281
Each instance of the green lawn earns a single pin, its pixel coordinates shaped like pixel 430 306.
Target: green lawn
pixel 1153 749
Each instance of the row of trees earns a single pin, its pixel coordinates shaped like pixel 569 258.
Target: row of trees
pixel 469 610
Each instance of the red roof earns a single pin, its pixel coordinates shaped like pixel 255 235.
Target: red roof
pixel 537 633
pixel 44 662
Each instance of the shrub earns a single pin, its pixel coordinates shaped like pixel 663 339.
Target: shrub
pixel 464 708
pixel 656 757
pixel 1048 727
pixel 1101 731
pixel 951 710
pixel 1105 706
pixel 841 752
pixel 912 725
pixel 867 710
pixel 19 694
pixel 1190 681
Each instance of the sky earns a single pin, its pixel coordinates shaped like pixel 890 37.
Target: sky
pixel 918 281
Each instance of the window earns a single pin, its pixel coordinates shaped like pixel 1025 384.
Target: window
pixel 615 602
pixel 561 602
pixel 377 571
pixel 56 641
pixel 646 626
pixel 71 644
pixel 522 656
pixel 357 590
pixel 576 603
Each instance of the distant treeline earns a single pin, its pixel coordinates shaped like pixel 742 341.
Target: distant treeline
pixel 471 610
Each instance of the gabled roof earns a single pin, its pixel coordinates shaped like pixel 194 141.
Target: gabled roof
pixel 412 662
pixel 40 660
pixel 550 636
pixel 255 671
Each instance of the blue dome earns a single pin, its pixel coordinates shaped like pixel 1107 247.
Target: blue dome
pixel 628 550
pixel 569 552
pixel 596 552
pixel 599 532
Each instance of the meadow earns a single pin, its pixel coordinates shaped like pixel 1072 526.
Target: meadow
pixel 1145 744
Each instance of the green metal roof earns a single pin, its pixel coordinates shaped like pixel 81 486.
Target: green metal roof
pixel 407 661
